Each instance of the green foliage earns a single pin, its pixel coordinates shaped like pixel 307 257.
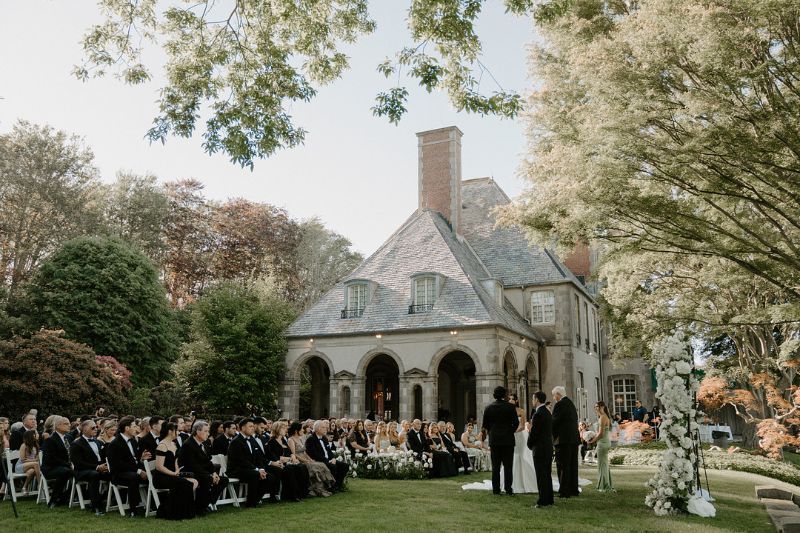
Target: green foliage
pixel 170 397
pixel 55 375
pixel 249 63
pixel 106 294
pixel 235 358
pixel 140 402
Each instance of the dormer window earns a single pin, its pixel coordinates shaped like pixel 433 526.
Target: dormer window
pixel 424 290
pixel 356 297
pixel 543 308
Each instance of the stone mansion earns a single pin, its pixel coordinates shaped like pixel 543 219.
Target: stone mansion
pixel 449 307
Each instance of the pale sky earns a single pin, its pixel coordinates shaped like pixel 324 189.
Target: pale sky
pixel 356 172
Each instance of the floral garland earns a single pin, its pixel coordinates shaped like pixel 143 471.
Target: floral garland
pixel 673 486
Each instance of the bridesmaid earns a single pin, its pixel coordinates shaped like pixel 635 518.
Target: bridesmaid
pixel 603 444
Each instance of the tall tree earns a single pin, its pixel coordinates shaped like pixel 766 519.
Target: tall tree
pixel 136 209
pixel 669 127
pixel 323 258
pixel 250 60
pixel 48 195
pixel 235 358
pixel 106 294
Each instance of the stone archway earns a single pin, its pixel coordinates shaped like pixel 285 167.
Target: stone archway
pixel 417 402
pixel 315 386
pixel 510 371
pixel 456 388
pixel 382 387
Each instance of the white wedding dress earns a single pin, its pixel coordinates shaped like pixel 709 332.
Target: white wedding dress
pixel 522 467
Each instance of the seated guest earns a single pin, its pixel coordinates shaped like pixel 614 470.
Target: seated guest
pixel 358 440
pixel 244 464
pixel 318 449
pixel 213 432
pixel 55 461
pixel 180 504
pixel 194 458
pixel 319 477
pixel 107 433
pixel 89 464
pixel 126 470
pixel 221 443
pixel 381 440
pixel 294 475
pixel 395 439
pixel 4 433
pixel 28 423
pixel 180 423
pixel 144 429
pixel 443 463
pixel 28 463
pixel 416 441
pixel 459 456
pixel 150 440
pixel 472 445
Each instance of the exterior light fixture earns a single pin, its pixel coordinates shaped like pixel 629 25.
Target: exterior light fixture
pixel 453 333
pixel 311 341
pixel 378 336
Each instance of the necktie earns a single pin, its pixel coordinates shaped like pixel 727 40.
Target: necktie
pixel 66 444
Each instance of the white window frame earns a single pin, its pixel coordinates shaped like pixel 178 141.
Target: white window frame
pixel 428 292
pixel 542 310
pixel 357 294
pixel 624 387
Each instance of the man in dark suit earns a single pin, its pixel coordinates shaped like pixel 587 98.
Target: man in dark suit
pixel 193 458
pixel 89 464
pixel 56 467
pixel 243 463
pixel 122 454
pixel 415 440
pixel 183 436
pixel 540 442
pixel 500 421
pixel 318 448
pixel 222 442
pixel 15 440
pixel 459 456
pixel 149 442
pixel 566 439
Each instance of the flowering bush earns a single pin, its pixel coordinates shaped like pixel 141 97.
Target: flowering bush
pixel 716 460
pixel 673 485
pixel 395 464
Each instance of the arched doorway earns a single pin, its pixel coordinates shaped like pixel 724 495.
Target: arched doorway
pixel 382 387
pixel 531 384
pixel 456 389
pixel 315 391
pixel 418 401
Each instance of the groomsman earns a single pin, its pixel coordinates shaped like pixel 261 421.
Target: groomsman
pixel 566 439
pixel 89 464
pixel 501 422
pixel 195 459
pixel 540 442
pixel 244 463
pixel 123 454
pixel 56 465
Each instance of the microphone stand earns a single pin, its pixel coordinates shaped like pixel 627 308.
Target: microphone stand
pixel 6 478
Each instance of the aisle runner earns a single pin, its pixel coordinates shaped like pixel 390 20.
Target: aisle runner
pixel 487 484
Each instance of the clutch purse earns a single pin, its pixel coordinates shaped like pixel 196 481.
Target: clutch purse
pixel 186 474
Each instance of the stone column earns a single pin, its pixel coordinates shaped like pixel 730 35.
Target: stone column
pixel 289 398
pixel 484 389
pixel 430 397
pixel 333 407
pixel 357 392
pixel 404 399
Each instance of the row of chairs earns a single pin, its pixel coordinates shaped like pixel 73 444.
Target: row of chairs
pixel 236 491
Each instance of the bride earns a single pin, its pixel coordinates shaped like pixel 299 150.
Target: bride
pixel 522 467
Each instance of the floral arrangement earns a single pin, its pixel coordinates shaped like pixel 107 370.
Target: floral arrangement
pixel 673 486
pixel 393 464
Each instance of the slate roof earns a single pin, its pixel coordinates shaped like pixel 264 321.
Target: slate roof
pixel 425 243
pixel 506 252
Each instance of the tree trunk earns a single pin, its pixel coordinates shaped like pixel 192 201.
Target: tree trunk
pixel 749 437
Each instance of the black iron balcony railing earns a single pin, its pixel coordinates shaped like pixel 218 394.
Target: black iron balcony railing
pixel 352 313
pixel 578 340
pixel 422 308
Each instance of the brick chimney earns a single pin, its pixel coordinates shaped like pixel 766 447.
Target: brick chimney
pixel 440 172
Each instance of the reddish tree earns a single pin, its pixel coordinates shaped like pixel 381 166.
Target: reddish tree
pixel 118 370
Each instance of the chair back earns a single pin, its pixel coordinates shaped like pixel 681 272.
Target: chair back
pixel 149 466
pixel 222 461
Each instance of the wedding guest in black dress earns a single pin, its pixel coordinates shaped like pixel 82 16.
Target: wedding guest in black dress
pixel 443 463
pixel 294 475
pixel 179 503
pixel 358 441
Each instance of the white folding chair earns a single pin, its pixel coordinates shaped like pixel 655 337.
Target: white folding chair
pixel 152 491
pixel 12 492
pixel 237 491
pixel 76 496
pixel 114 491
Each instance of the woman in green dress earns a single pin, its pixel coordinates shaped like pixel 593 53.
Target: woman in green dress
pixel 603 444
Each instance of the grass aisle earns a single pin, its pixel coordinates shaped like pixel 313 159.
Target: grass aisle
pixel 439 505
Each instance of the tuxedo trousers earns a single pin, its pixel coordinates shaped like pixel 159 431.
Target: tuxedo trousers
pixel 567 469
pixel 207 492
pixel 131 481
pixel 502 456
pixel 58 480
pixel 93 479
pixel 543 465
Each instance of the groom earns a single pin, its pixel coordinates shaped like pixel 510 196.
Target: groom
pixel 566 439
pixel 540 441
pixel 500 421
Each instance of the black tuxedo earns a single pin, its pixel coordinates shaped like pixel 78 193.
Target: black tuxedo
pixel 148 443
pixel 86 462
pixel 501 421
pixel 244 462
pixel 320 450
pixel 220 445
pixel 15 439
pixel 125 467
pixel 195 459
pixel 566 439
pixel 540 442
pixel 56 465
pixel 460 456
pixel 416 442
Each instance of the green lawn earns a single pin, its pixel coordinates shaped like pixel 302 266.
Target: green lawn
pixel 440 505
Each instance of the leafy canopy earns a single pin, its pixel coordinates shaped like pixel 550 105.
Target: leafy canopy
pixel 244 63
